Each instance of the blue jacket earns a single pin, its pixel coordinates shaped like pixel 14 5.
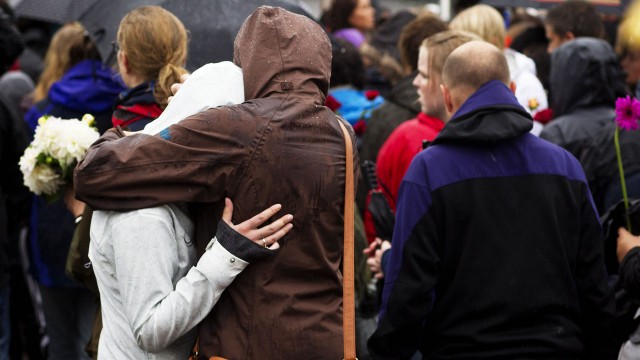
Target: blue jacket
pixel 88 87
pixel 496 251
pixel 355 104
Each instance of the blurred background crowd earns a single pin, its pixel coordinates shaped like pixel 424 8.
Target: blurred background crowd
pixel 570 60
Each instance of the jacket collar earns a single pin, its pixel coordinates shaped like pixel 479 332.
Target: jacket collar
pixel 491 114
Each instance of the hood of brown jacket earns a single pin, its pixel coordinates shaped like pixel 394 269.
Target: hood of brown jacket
pixel 280 51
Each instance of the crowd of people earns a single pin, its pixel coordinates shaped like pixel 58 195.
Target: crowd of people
pixel 483 212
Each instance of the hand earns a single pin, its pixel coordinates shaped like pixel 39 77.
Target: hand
pixel 75 207
pixel 626 242
pixel 375 251
pixel 176 87
pixel 267 236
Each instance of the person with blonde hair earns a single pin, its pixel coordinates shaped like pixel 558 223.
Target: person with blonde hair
pixel 407 139
pixel 73 83
pixel 151 51
pixel 401 103
pixel 524 277
pixel 628 47
pixel 487 22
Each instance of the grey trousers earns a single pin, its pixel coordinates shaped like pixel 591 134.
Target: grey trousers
pixel 69 314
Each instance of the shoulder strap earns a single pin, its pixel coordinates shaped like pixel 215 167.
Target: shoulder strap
pixel 348 276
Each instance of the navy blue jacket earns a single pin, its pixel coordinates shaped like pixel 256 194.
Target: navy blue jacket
pixel 497 252
pixel 89 87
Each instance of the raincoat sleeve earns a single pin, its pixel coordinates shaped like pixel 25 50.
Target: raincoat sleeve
pixel 158 313
pixel 630 272
pixel 186 162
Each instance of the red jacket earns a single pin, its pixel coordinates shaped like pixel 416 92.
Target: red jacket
pixel 396 154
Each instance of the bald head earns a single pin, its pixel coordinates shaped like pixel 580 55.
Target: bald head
pixel 474 64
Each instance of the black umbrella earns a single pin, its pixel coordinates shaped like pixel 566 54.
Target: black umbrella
pixel 58 11
pixel 212 24
pixel 616 7
pixel 511 3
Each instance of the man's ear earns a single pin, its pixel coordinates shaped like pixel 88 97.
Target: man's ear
pixel 569 35
pixel 512 86
pixel 446 95
pixel 122 58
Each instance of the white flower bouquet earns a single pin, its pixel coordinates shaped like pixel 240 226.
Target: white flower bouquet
pixel 58 144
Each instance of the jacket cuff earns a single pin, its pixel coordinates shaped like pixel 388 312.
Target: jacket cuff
pixel 629 259
pixel 239 245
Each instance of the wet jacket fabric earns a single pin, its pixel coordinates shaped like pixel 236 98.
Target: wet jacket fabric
pixel 585 81
pixel 282 147
pixel 497 252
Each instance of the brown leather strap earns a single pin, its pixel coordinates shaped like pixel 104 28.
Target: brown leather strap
pixel 348 271
pixel 195 350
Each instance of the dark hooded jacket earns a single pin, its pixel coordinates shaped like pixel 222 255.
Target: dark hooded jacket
pixel 601 166
pixel 13 141
pixel 14 196
pixel 585 81
pixel 496 250
pixel 280 146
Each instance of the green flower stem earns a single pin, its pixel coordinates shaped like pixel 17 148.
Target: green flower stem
pixel 623 184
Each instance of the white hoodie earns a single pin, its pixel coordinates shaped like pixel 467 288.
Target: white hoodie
pixel 529 90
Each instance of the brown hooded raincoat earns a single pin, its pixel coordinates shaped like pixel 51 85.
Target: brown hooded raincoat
pixel 280 146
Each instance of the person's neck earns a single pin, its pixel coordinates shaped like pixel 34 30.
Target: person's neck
pixel 134 80
pixel 442 115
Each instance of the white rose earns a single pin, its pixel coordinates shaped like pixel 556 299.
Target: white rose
pixel 43 180
pixel 28 160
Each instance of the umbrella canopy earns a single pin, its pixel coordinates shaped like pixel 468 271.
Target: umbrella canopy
pixel 614 7
pixel 511 3
pixel 58 11
pixel 604 6
pixel 212 24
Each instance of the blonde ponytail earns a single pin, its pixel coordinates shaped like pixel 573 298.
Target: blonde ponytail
pixel 155 42
pixel 169 75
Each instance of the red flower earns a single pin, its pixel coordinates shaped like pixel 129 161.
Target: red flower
pixel 371 94
pixel 627 111
pixel 543 116
pixel 332 103
pixel 359 127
